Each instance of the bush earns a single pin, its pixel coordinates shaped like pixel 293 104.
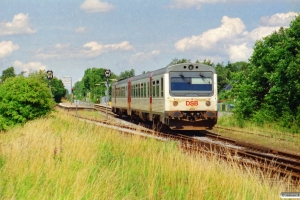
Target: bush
pixel 23 99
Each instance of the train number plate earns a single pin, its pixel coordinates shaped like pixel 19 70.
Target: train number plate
pixel 191 103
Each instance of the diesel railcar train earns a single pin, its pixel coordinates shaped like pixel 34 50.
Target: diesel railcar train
pixel 181 96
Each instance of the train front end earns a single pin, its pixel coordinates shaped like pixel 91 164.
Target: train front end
pixel 191 100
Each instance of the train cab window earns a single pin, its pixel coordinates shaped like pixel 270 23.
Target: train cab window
pixel 162 87
pixel 191 83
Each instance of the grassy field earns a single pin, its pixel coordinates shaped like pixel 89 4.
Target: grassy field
pixel 276 137
pixel 60 157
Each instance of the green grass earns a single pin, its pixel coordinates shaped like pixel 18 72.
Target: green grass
pixel 275 134
pixel 60 157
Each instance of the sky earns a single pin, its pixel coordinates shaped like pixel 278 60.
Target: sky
pixel 71 36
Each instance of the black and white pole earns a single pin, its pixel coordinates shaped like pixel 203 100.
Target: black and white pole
pixel 50 77
pixel 107 75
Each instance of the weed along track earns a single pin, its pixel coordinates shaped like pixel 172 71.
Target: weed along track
pixel 271 135
pixel 247 154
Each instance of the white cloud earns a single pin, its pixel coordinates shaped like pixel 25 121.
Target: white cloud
pixel 239 52
pixel 230 29
pixel 81 29
pixel 96 6
pixel 61 46
pixel 142 56
pixel 7 47
pixel 261 31
pixel 269 24
pixel 92 49
pixel 29 67
pixel 197 3
pixel 231 38
pixel 19 25
pixel 279 19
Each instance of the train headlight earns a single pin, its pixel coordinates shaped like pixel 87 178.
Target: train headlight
pixel 191 67
pixel 207 103
pixel 175 103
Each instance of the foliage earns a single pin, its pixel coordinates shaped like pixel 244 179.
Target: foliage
pixel 7 73
pixel 23 99
pixel 92 84
pixel 270 89
pixel 126 74
pixel 57 87
pixel 178 61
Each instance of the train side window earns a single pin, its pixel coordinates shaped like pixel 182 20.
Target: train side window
pixel 162 87
pixel 148 88
pixel 157 88
pixel 139 89
pixel 144 89
pixel 153 89
pixel 132 91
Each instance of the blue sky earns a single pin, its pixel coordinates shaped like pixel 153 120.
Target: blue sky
pixel 70 36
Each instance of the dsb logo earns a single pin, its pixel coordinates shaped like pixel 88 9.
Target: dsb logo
pixel 191 103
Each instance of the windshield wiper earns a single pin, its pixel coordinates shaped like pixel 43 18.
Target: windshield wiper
pixel 203 78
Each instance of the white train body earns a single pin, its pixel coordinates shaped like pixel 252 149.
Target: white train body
pixel 182 96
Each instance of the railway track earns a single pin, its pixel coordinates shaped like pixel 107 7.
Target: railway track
pixel 267 159
pixel 261 135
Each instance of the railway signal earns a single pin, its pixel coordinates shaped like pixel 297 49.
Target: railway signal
pixel 50 77
pixel 49 74
pixel 107 73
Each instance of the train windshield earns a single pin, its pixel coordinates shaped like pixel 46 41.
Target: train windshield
pixel 197 83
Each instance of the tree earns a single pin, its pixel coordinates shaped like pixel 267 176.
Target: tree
pixel 271 88
pixel 126 74
pixel 58 89
pixel 177 61
pixel 23 99
pixel 92 76
pixel 7 73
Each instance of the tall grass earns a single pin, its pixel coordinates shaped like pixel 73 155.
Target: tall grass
pixel 277 138
pixel 60 157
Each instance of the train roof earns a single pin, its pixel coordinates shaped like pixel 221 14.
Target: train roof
pixel 166 70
